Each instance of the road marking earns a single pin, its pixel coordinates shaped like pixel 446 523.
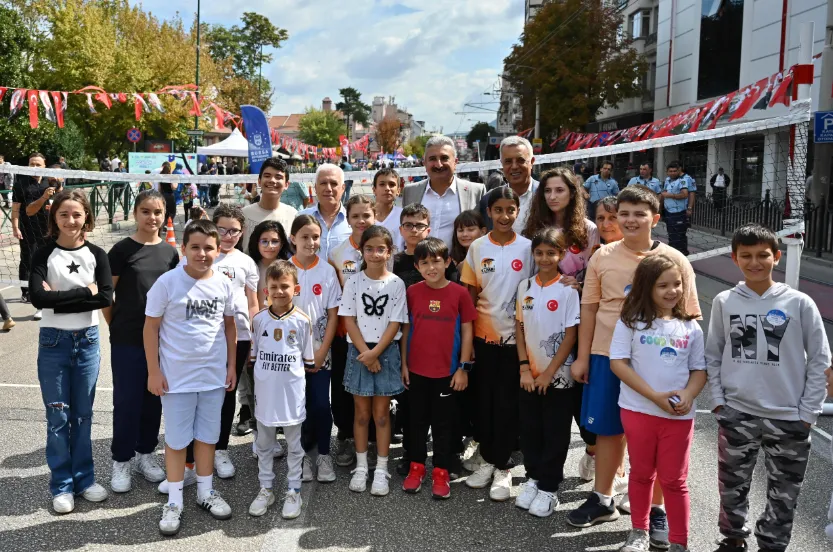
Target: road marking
pixel 37 386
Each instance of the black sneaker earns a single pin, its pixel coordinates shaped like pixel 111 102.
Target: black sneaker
pixel 243 426
pixel 659 529
pixel 24 297
pixel 592 512
pixel 731 545
pixel 404 466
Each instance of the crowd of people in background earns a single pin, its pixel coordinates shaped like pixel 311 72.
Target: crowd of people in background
pixel 495 317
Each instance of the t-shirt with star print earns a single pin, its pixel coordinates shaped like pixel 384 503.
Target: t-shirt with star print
pixel 374 304
pixel 70 304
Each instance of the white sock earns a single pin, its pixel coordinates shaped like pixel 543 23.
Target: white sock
pixel 175 493
pixel 361 460
pixel 604 499
pixel 205 484
pixel 382 463
pixel 660 506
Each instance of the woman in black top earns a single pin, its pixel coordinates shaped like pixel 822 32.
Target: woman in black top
pixel 167 189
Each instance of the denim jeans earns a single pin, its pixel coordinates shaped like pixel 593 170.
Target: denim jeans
pixel 137 413
pixel 204 201
pixel 68 370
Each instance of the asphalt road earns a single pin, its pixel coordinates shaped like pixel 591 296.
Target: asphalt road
pixel 333 518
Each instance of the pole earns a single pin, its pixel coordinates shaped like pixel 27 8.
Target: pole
pixel 824 152
pixel 538 115
pixel 196 119
pixel 260 75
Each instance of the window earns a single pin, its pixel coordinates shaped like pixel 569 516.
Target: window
pixel 721 29
pixel 639 24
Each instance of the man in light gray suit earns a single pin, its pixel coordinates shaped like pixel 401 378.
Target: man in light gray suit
pixel 442 193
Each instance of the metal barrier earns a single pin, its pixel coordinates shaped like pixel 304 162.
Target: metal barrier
pixel 818 222
pixel 724 214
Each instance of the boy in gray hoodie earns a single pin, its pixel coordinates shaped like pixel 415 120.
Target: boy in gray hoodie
pixel 766 388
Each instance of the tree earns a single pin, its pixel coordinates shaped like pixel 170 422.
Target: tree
pixel 388 134
pixel 572 57
pixel 417 146
pixel 319 127
pixel 480 131
pixel 353 108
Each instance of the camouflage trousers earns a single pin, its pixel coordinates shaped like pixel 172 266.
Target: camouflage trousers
pixel 786 447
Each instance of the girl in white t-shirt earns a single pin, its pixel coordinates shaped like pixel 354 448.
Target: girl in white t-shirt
pixel 267 244
pixel 373 307
pixel 318 297
pixel 657 352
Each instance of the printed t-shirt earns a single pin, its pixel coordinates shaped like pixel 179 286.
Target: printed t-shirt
pixel 609 279
pixel 346 258
pixel 496 270
pixel 281 349
pixel 575 260
pixel 663 356
pixel 546 310
pixel 435 336
pixel 375 304
pixel 319 292
pixel 243 274
pixel 192 339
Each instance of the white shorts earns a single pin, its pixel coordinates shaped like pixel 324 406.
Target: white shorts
pixel 192 416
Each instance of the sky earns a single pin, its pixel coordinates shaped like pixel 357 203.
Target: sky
pixel 433 57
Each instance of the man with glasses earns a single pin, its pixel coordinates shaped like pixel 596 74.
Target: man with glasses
pixel 517 160
pixel 442 193
pixel 272 180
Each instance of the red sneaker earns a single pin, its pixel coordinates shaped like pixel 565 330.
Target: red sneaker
pixel 413 483
pixel 441 487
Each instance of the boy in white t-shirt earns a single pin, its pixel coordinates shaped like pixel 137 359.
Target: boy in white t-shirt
pixel 282 354
pixel 190 339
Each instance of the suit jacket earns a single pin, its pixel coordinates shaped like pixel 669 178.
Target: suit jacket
pixel 468 193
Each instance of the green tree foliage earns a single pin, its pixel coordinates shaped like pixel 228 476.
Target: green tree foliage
pixel 480 131
pixel 572 56
pixel 352 107
pixel 319 127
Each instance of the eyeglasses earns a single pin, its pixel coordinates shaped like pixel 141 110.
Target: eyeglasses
pixel 410 226
pixel 378 250
pixel 233 232
pixel 270 243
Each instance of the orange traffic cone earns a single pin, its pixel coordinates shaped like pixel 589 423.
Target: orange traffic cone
pixel 170 237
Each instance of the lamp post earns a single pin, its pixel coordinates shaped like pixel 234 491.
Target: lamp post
pixel 196 118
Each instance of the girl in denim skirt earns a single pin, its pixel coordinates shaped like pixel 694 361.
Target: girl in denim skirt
pixel 373 306
pixel 70 280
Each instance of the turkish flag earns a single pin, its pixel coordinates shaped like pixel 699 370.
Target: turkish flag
pixel 783 92
pixel 751 93
pixel 60 107
pixel 32 97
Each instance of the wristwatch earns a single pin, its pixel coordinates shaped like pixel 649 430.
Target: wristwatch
pixel 466 366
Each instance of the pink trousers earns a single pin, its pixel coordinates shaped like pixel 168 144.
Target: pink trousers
pixel 659 447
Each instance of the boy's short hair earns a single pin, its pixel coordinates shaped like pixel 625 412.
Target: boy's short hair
pixel 275 163
pixel 201 226
pixel 280 268
pixel 430 248
pixel 227 210
pixel 638 194
pixel 674 165
pixel 415 210
pixel 754 234
pixel 385 171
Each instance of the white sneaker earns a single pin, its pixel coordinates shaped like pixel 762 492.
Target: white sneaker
pixel 121 481
pixel 481 477
pixel 358 483
pixel 63 503
pixel 625 503
pixel 262 501
pixel 544 504
pixel 620 485
pixel 529 489
pixel 306 471
pixel 278 451
pixel 214 503
pixel 326 473
pixel 171 519
pixel 148 466
pixel 95 493
pixel 38 315
pixel 474 460
pixel 501 486
pixel 222 463
pixel 190 479
pixel 380 485
pixel 292 504
pixel 587 467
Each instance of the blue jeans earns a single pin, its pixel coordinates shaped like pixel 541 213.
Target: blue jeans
pixel 203 196
pixel 317 428
pixel 67 372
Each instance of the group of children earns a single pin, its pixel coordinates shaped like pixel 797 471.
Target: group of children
pixel 502 338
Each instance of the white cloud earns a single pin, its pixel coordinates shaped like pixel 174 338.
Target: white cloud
pixel 432 56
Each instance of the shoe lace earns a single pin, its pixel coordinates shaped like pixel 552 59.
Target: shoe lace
pixel 636 538
pixel 292 496
pixel 170 511
pixel 263 494
pixel 380 477
pixel 659 521
pixel 483 471
pixel 359 471
pixel 214 499
pixel 324 461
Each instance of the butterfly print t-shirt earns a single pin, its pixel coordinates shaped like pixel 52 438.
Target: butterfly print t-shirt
pixel 375 304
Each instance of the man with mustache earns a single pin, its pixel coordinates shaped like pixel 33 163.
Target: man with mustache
pixel 442 193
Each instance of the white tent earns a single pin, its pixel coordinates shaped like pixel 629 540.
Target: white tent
pixel 233 146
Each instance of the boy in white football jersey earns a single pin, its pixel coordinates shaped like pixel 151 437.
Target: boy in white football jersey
pixel 281 354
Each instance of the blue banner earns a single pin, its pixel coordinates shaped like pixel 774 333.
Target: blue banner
pixel 257 133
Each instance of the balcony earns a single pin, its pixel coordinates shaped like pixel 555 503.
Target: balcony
pixel 651 39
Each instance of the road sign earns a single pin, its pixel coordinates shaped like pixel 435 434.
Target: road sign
pixel 197 133
pixel 537 145
pixel 134 135
pixel 823 127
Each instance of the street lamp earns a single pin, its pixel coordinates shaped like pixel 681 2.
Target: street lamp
pixel 196 118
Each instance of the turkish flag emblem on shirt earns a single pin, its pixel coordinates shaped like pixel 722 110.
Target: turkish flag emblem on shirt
pixel 517 265
pixel 316 289
pixel 552 305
